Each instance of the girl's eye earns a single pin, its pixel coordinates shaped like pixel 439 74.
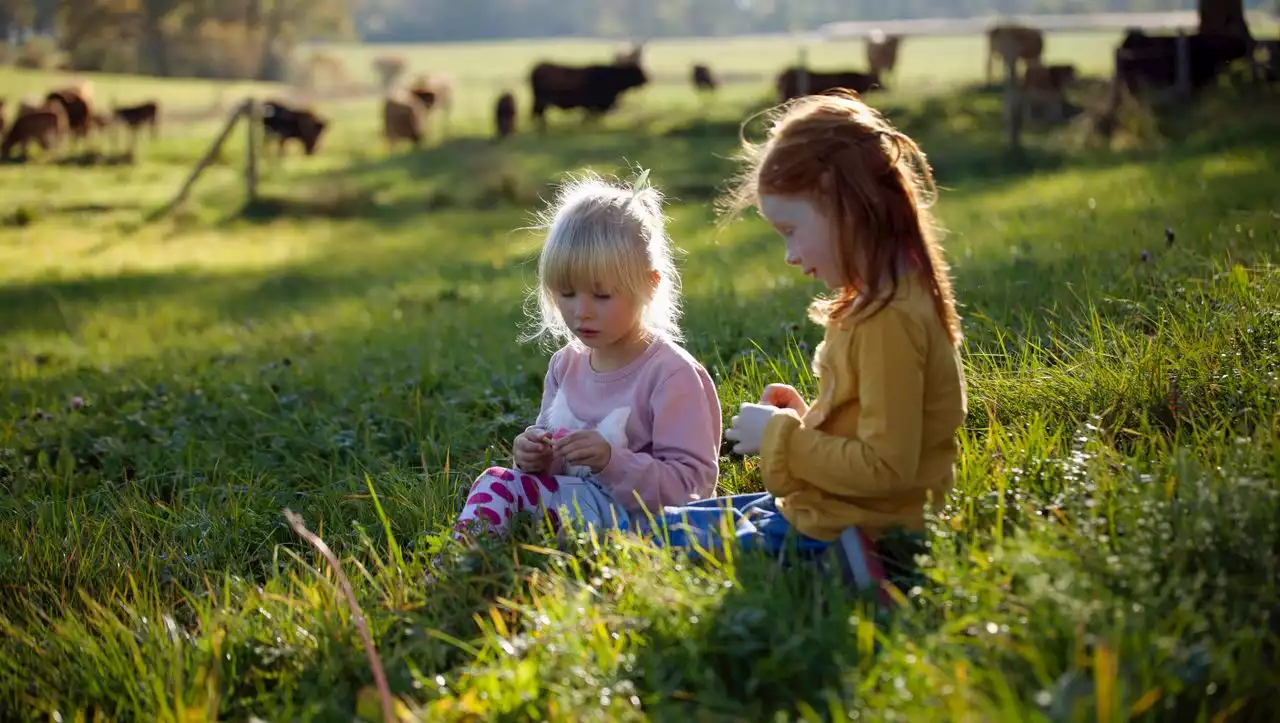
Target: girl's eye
pixel 567 294
pixel 603 297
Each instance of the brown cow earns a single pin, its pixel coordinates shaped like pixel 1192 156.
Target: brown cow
pixel 504 115
pixel 77 105
pixel 703 80
pixel 44 126
pixel 1016 43
pixel 434 92
pixel 1044 90
pixel 788 82
pixel 882 52
pixel 402 115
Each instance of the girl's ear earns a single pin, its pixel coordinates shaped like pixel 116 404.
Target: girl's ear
pixel 655 278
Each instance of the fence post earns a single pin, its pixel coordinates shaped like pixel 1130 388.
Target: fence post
pixel 209 156
pixel 1012 101
pixel 251 112
pixel 1184 63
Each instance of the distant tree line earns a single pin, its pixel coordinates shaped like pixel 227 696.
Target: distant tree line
pixel 255 38
pixel 438 20
pixel 191 38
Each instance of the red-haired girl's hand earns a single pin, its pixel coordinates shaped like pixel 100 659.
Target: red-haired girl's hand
pixel 747 427
pixel 785 396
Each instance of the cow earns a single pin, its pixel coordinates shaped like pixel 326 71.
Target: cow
pixel 44 126
pixel 402 117
pixel 703 80
pixel 1151 61
pixel 882 52
pixel 788 81
pixel 435 93
pixel 77 105
pixel 1044 88
pixel 1014 43
pixel 134 117
pixel 594 88
pixel 504 115
pixel 282 122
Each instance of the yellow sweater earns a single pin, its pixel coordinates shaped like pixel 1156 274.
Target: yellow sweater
pixel 880 439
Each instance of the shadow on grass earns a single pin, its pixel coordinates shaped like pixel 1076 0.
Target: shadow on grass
pixel 778 638
pixel 962 133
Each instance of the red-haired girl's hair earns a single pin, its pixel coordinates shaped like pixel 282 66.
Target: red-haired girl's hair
pixel 871 179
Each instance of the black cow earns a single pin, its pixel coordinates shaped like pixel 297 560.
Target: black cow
pixel 594 88
pixel 788 83
pixel 703 79
pixel 1152 60
pixel 282 122
pixel 504 115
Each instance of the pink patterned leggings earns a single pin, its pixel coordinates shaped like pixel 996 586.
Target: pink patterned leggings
pixel 498 494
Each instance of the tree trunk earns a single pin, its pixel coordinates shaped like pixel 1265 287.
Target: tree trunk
pixel 1223 17
pixel 154 47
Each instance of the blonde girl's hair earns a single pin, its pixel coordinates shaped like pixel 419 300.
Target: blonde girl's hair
pixel 609 235
pixel 871 179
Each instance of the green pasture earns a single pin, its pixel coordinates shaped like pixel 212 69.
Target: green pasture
pixel 345 348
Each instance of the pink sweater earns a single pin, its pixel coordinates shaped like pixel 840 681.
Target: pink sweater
pixel 660 413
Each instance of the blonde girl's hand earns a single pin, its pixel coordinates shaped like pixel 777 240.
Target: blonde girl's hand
pixel 585 447
pixel 785 396
pixel 747 427
pixel 532 451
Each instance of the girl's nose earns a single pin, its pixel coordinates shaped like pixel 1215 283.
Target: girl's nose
pixel 793 259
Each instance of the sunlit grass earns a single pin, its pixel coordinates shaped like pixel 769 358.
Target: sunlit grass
pixel 167 388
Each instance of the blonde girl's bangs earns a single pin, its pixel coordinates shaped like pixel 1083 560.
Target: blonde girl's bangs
pixel 583 258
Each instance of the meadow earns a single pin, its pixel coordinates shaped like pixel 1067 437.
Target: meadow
pixel 345 348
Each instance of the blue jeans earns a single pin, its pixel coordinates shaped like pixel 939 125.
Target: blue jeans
pixel 754 522
pixel 752 519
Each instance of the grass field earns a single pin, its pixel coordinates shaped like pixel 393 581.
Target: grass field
pixel 346 349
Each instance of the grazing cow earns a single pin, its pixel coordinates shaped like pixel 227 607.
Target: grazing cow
pixel 282 123
pixel 402 116
pixel 788 83
pixel 703 80
pixel 1044 90
pixel 1016 43
pixel 882 52
pixel 594 88
pixel 44 126
pixel 504 115
pixel 77 105
pixel 1151 61
pixel 434 93
pixel 135 117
